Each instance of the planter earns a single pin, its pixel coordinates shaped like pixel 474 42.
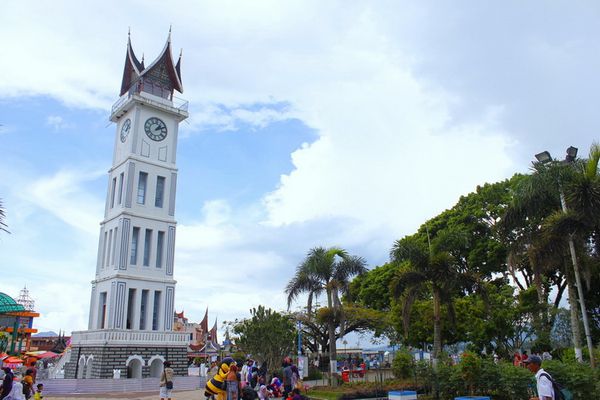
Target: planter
pixel 472 398
pixel 402 395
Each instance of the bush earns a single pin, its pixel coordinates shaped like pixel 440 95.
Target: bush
pixel 475 376
pixel 403 365
pixel 580 379
pixel 314 374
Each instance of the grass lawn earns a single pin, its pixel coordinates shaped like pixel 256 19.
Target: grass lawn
pixel 323 394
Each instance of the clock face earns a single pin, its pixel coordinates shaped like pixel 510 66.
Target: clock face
pixel 155 129
pixel 125 128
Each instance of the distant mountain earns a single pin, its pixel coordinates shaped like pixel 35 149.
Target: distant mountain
pixel 46 334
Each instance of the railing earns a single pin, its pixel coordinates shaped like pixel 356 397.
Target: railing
pixel 69 386
pixel 175 103
pixel 127 337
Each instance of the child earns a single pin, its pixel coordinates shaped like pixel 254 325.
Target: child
pixel 38 393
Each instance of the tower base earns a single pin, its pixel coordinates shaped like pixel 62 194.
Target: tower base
pixel 135 354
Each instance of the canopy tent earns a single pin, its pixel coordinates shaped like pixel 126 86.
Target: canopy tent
pixel 47 354
pixel 8 304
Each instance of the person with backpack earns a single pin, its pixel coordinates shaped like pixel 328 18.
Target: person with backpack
pixel 166 381
pixel 545 383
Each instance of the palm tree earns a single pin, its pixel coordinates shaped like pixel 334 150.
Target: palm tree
pixel 426 267
pixel 563 206
pixel 325 270
pixel 3 226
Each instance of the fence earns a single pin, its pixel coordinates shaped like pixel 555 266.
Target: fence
pixel 67 386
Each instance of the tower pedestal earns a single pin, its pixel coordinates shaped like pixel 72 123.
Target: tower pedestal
pixel 137 354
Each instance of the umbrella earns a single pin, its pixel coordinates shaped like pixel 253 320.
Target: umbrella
pixel 47 354
pixel 12 360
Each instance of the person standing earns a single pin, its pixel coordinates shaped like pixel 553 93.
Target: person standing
pixel 38 394
pixel 287 377
pixel 166 381
pixel 7 382
pixel 16 393
pixel 233 384
pixel 545 390
pixel 28 384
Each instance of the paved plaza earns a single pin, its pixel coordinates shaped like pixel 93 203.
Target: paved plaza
pixel 177 395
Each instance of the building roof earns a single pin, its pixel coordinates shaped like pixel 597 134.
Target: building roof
pixel 162 66
pixel 8 304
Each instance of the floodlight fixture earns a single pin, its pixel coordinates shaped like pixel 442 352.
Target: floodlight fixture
pixel 543 157
pixel 571 154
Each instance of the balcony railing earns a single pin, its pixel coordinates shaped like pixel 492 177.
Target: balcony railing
pixel 153 97
pixel 107 337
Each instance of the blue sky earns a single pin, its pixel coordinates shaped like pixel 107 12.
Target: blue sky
pixel 311 123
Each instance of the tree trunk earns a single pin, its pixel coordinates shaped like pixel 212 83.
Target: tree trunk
pixel 437 328
pixel 332 348
pixel 575 328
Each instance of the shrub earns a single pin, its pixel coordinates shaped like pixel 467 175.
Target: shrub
pixel 513 383
pixel 403 365
pixel 580 379
pixel 314 374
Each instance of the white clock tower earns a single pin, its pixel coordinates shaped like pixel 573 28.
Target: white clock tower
pixel 132 302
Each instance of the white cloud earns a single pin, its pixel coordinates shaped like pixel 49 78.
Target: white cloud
pixel 390 151
pixel 57 122
pixel 62 195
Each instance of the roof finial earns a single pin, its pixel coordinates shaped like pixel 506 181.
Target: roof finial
pixel 180 52
pixel 129 31
pixel 142 57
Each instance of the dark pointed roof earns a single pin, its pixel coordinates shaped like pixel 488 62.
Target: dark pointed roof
pixel 165 60
pixel 178 66
pixel 132 70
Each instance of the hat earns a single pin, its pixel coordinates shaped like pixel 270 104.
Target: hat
pixel 533 360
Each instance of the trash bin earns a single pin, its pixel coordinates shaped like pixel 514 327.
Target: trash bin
pixel 346 376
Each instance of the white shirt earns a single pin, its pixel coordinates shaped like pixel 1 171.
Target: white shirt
pixel 17 392
pixel 544 385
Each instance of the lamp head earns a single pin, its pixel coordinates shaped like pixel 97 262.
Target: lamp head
pixel 571 154
pixel 543 157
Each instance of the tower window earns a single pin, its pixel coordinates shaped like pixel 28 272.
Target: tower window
pixel 143 309
pixel 160 242
pixel 156 311
pixel 141 192
pixel 105 245
pixel 147 244
pixel 134 245
pixel 110 240
pixel 130 309
pixel 112 192
pixel 160 191
pixel 102 310
pixel 121 183
pixel 114 251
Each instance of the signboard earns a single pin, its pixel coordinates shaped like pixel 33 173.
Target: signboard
pixel 303 366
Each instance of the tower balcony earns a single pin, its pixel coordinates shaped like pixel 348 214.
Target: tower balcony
pixel 121 337
pixel 170 104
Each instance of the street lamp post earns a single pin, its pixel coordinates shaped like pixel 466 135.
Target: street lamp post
pixel 545 157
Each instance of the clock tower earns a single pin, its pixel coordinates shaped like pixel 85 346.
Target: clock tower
pixel 131 315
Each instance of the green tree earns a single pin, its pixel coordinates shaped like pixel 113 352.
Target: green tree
pixel 560 203
pixel 326 271
pixel 428 267
pixel 267 335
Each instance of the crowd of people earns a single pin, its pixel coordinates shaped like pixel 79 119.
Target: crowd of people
pixel 20 384
pixel 252 381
